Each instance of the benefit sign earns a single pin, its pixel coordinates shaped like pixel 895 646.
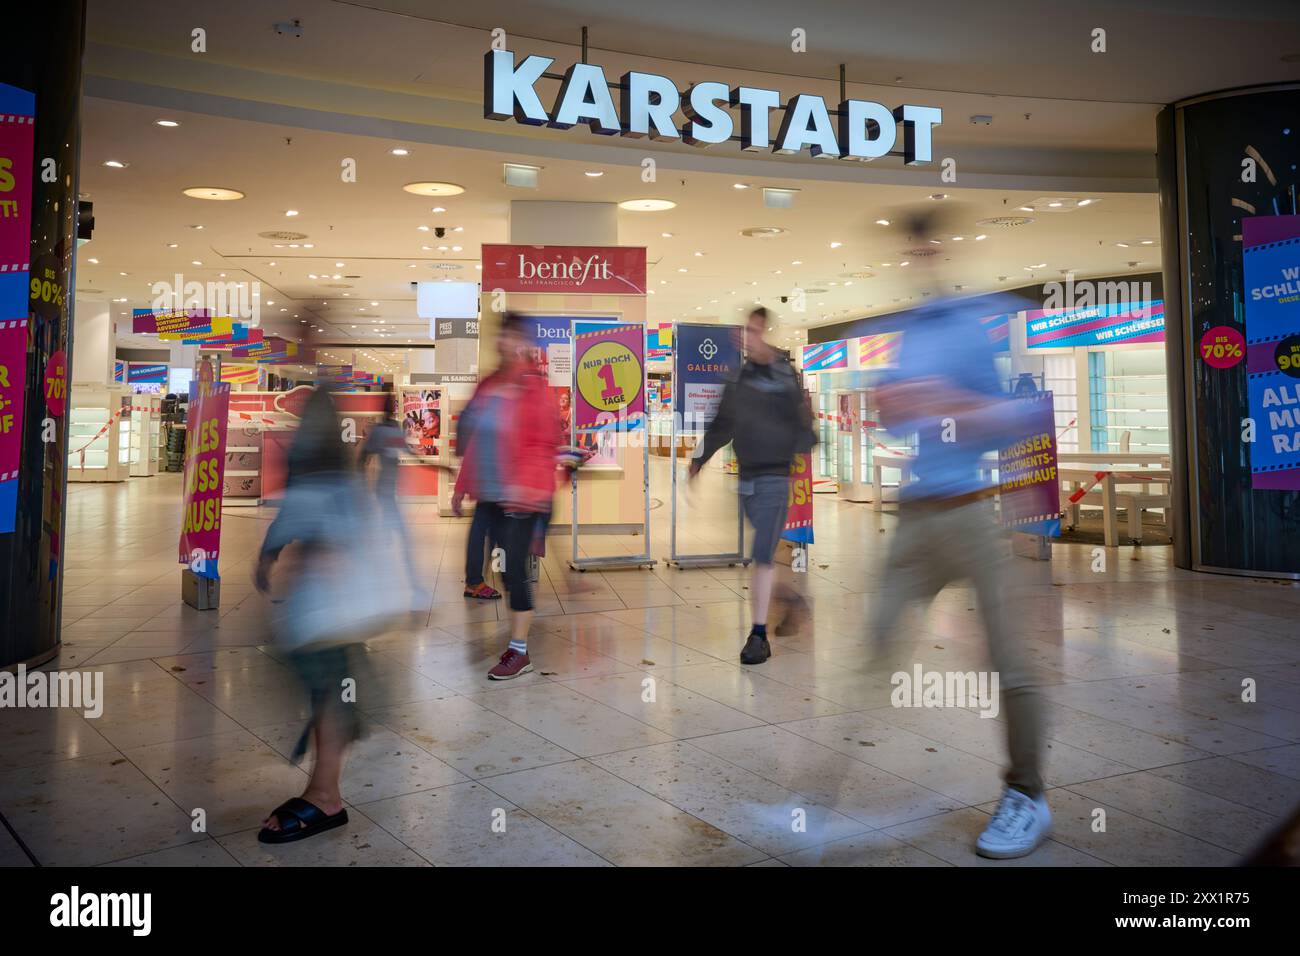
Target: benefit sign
pixel 1271 269
pixel 17 116
pixel 608 376
pixel 205 467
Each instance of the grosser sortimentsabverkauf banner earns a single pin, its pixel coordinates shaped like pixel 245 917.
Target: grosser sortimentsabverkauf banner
pixel 1271 269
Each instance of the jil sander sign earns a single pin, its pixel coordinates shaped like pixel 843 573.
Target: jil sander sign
pixel 650 103
pixel 596 270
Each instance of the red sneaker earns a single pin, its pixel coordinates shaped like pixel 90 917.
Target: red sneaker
pixel 483 592
pixel 511 665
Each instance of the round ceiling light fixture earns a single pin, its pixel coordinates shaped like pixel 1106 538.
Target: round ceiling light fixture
pixel 434 189
pixel 763 232
pixel 1004 221
pixel 647 205
pixel 281 235
pixel 215 193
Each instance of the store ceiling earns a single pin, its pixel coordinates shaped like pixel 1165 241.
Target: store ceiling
pixel 367 233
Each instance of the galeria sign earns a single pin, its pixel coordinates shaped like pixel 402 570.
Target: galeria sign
pixel 650 103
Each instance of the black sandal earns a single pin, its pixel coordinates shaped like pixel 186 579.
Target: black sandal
pixel 310 820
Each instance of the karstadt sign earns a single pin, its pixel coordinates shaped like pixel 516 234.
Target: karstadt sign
pixel 650 103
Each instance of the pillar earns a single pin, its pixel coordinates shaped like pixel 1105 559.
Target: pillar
pixel 47 65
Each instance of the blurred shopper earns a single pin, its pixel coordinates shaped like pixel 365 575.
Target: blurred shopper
pixel 483 530
pixel 946 391
pixel 338 595
pixel 509 468
pixel 386 443
pixel 765 415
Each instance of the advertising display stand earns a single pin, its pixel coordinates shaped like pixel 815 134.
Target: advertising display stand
pixel 704 356
pixel 609 405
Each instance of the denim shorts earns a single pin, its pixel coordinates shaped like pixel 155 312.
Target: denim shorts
pixel 765 499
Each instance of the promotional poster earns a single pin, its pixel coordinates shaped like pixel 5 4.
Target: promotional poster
pixel 1271 262
pixel 799 515
pixel 1029 484
pixel 420 420
pixel 704 357
pixel 608 376
pixel 205 466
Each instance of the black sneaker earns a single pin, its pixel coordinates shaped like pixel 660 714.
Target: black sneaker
pixel 756 649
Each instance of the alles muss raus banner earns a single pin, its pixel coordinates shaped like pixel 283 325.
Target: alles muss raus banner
pixel 205 465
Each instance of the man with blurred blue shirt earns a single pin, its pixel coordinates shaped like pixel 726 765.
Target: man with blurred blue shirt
pixel 946 391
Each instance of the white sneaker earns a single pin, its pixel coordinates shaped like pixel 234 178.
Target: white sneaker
pixel 1019 824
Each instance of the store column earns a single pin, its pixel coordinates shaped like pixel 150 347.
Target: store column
pixel 40 95
pixel 1230 231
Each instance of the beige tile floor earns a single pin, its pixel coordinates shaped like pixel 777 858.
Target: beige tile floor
pixel 1142 668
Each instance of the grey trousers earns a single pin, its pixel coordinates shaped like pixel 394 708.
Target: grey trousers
pixel 935 546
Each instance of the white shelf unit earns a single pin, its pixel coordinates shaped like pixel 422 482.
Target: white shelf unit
pixel 146 426
pixel 96 452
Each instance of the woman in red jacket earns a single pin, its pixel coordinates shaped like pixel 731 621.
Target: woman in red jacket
pixel 510 435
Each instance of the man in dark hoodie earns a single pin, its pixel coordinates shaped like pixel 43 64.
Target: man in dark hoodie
pixel 765 415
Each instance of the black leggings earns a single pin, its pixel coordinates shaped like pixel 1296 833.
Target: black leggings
pixel 515 529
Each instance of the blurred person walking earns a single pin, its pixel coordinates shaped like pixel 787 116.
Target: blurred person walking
pixel 765 415
pixel 386 444
pixel 510 453
pixel 338 594
pixel 946 391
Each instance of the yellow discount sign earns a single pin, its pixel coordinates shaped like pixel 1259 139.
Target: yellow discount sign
pixel 610 377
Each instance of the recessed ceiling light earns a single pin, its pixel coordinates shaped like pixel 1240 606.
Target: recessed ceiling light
pixel 398 151
pixel 796 262
pixel 980 236
pixel 422 228
pixel 938 195
pixel 217 193
pixel 165 122
pixel 594 173
pixel 1053 205
pixel 882 222
pixel 836 245
pixel 698 253
pixel 647 205
pixel 1026 208
pixel 1085 202
pixel 93 261
pixel 682 269
pixel 114 164
pixel 434 189
pixel 437 209
pixel 740 185
pixel 1148 242
pixel 457 248
pixel 291 212
pixel 1122 245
